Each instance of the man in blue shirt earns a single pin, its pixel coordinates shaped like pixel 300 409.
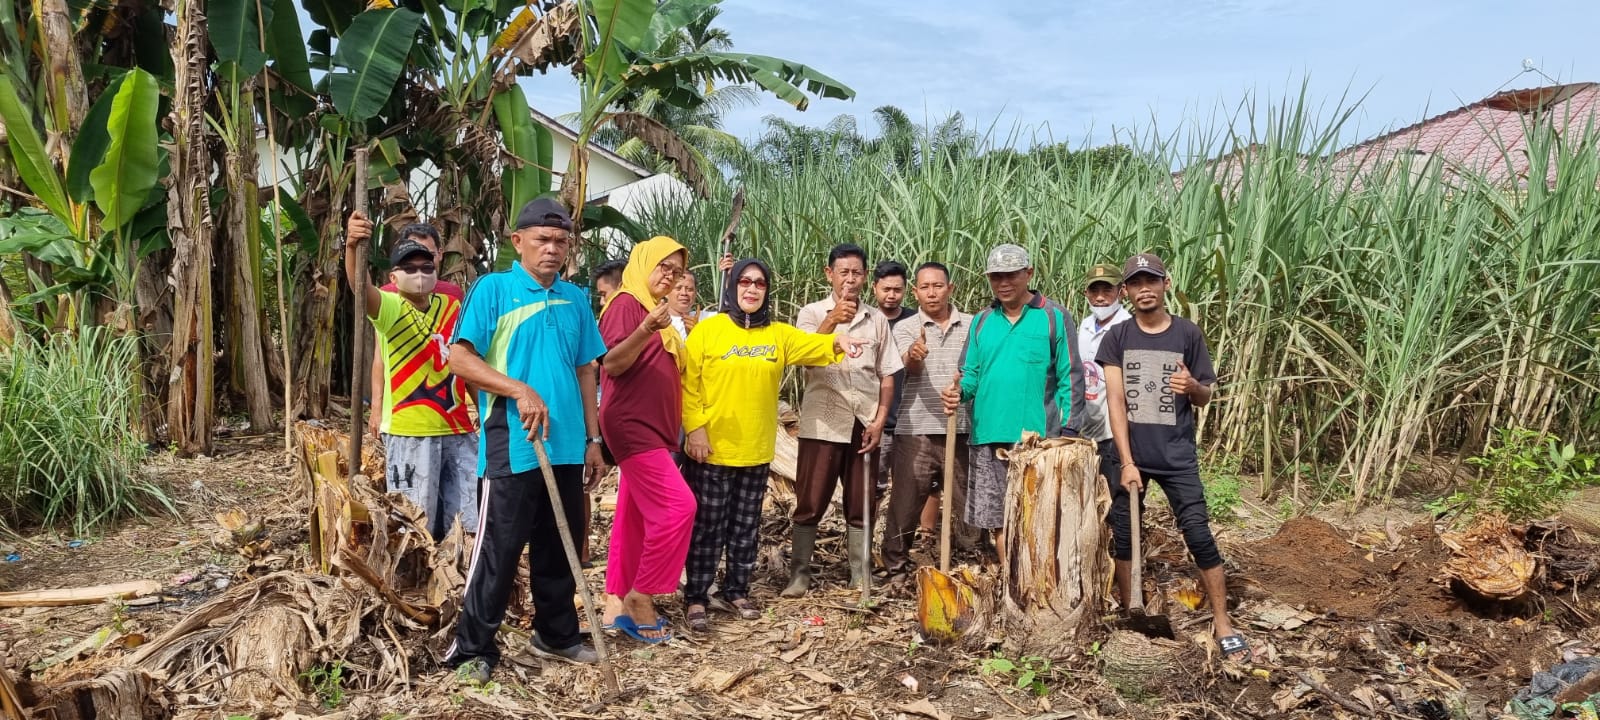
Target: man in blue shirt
pixel 527 341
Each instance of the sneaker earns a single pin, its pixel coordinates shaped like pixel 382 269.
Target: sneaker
pixel 579 653
pixel 475 671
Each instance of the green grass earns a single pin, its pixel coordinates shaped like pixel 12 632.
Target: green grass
pixel 1353 324
pixel 68 452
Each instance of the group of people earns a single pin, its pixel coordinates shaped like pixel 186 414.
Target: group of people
pixel 685 405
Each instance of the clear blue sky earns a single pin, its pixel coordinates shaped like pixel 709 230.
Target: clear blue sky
pixel 1082 69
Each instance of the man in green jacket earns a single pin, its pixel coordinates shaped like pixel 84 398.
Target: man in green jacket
pixel 1021 349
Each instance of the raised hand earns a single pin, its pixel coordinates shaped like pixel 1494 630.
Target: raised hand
pixel 842 313
pixel 358 229
pixel 660 317
pixel 919 349
pixel 1181 381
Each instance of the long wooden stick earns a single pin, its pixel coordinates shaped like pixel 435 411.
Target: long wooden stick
pixel 949 489
pixel 358 326
pixel 866 522
pixel 78 596
pixel 571 548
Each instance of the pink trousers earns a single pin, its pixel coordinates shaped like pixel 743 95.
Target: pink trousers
pixel 651 529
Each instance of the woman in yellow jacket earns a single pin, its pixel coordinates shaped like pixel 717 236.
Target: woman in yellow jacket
pixel 732 367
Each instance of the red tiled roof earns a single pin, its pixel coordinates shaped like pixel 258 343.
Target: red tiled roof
pixel 1487 138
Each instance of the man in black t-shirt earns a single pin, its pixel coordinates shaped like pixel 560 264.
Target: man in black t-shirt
pixel 1157 372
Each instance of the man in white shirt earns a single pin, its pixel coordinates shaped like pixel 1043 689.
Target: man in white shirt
pixel 1102 290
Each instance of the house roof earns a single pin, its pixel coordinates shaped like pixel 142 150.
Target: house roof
pixel 1488 138
pixel 555 126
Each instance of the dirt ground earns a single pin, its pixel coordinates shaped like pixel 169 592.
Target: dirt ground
pixel 1347 618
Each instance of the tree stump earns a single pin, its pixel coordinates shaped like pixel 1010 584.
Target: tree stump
pixel 1057 569
pixel 1489 561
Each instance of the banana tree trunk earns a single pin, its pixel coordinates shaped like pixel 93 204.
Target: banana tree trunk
pixel 317 288
pixel 154 298
pixel 64 85
pixel 191 382
pixel 1056 568
pixel 244 294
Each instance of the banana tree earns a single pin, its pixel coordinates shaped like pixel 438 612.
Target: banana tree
pixel 622 44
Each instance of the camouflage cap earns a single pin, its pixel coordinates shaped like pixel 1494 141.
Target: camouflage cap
pixel 1008 258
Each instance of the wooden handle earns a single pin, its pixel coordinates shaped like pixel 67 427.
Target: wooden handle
pixel 866 521
pixel 358 326
pixel 946 494
pixel 1136 579
pixel 571 548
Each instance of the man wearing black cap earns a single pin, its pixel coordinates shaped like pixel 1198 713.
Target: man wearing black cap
pixel 429 443
pixel 1158 371
pixel 528 341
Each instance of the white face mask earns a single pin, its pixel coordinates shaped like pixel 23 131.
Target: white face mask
pixel 415 283
pixel 1104 313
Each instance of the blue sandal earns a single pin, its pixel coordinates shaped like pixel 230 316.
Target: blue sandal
pixel 634 630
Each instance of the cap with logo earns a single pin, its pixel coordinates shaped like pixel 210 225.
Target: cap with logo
pixel 1103 273
pixel 408 248
pixel 1143 263
pixel 544 212
pixel 1008 258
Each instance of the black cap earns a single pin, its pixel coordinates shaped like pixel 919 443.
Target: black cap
pixel 1143 263
pixel 543 212
pixel 407 248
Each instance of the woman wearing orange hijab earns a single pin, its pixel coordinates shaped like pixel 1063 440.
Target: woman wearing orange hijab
pixel 641 416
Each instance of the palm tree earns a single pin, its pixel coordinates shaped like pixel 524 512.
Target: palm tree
pixel 900 146
pixel 700 126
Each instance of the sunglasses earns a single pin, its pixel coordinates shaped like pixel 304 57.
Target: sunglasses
pixel 426 269
pixel 756 283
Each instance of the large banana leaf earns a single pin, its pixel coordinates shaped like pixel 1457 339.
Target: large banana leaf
pixel 150 43
pixel 333 15
pixel 521 136
pixel 670 17
pixel 287 48
pixel 236 36
pixel 374 51
pixel 123 180
pixel 623 26
pixel 789 81
pixel 89 148
pixel 27 152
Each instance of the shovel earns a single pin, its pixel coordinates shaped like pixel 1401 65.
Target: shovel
pixel 1137 620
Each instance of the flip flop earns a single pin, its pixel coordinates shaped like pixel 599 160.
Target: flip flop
pixel 747 611
pixel 1234 647
pixel 634 630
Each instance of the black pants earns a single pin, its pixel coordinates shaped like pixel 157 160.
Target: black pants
pixel 1185 494
pixel 517 514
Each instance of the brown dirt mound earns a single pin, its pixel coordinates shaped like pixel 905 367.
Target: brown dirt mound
pixel 1309 563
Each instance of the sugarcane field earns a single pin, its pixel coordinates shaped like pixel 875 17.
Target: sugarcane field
pixel 571 359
